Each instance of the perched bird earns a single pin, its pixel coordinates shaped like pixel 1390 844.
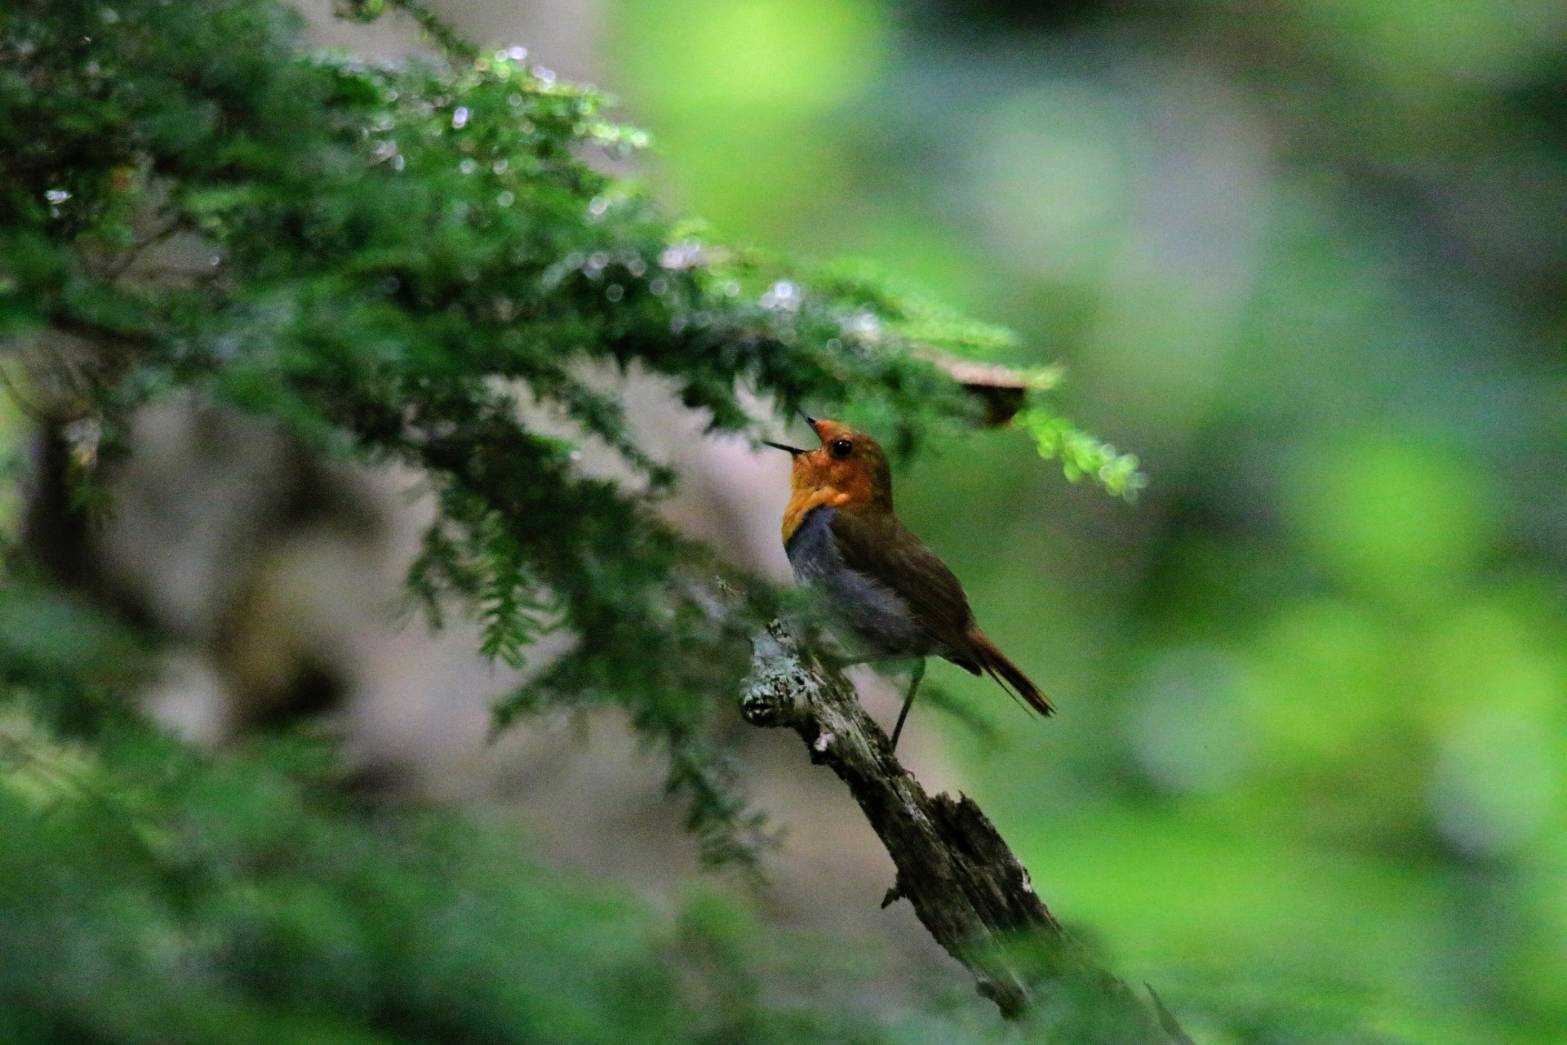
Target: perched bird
pixel 891 598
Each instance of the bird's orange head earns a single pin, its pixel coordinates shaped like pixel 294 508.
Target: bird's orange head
pixel 848 471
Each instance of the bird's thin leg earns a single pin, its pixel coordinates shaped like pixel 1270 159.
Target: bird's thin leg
pixel 908 701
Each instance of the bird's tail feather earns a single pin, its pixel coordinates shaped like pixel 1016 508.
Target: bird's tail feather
pixel 1007 674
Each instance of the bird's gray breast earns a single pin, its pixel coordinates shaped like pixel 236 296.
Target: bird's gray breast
pixel 874 616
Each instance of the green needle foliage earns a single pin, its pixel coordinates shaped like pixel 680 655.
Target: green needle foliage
pixel 395 260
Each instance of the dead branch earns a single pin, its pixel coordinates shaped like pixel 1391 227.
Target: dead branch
pixel 965 884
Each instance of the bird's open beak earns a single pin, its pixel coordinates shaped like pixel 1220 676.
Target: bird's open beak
pixel 783 446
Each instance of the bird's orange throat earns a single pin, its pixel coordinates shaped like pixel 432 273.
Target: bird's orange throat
pixel 802 500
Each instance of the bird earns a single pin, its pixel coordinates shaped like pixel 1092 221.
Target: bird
pixel 888 597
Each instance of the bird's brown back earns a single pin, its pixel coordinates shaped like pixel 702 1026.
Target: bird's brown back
pixel 880 546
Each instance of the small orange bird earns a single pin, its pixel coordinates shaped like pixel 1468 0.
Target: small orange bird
pixel 891 598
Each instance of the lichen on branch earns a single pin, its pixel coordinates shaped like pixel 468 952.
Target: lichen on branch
pixel 965 884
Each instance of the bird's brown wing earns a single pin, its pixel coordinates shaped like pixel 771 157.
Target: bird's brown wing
pixel 883 549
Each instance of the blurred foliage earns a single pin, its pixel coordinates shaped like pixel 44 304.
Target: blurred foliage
pixel 1310 771
pixel 150 893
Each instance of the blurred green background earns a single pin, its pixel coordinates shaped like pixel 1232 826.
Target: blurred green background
pixel 1306 258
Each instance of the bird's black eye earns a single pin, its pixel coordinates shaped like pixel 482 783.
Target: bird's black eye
pixel 840 448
